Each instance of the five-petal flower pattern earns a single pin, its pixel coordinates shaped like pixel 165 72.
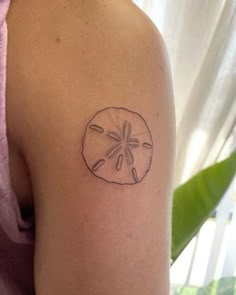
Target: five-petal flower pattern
pixel 112 151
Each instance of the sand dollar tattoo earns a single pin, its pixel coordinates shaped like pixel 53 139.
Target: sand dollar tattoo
pixel 117 146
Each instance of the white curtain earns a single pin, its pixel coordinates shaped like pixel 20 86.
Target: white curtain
pixel 201 40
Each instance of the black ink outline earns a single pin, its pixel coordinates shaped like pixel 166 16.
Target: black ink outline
pixel 134 171
pixel 96 128
pixel 113 151
pixel 119 162
pixel 129 156
pixel 114 135
pixel 147 145
pixel 97 165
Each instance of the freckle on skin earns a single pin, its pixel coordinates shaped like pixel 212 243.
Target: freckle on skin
pixel 58 40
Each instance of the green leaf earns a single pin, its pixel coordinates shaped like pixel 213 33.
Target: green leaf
pixel 195 200
pixel 221 287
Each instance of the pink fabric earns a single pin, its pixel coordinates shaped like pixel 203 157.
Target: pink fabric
pixel 16 234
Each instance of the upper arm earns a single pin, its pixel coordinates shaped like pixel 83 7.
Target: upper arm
pixel 101 227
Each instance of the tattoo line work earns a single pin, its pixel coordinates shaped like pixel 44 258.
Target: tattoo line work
pixel 98 164
pixel 97 128
pixel 123 146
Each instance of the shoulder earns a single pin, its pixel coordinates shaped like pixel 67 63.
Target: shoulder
pixel 66 58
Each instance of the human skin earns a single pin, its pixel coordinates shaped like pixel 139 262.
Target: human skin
pixel 67 61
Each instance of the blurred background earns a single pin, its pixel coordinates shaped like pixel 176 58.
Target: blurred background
pixel 201 40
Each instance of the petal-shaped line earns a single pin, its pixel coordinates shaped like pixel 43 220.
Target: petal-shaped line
pixel 129 156
pixel 114 135
pixel 98 164
pixel 147 145
pixel 96 128
pixel 113 151
pixel 126 130
pixel 119 162
pixel 133 142
pixel 133 145
pixel 134 173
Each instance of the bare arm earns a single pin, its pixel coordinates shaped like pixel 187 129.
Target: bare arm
pixel 97 132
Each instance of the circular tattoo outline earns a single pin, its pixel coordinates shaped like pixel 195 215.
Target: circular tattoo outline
pixel 101 130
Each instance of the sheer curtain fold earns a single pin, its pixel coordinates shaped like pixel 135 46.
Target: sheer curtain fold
pixel 201 40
